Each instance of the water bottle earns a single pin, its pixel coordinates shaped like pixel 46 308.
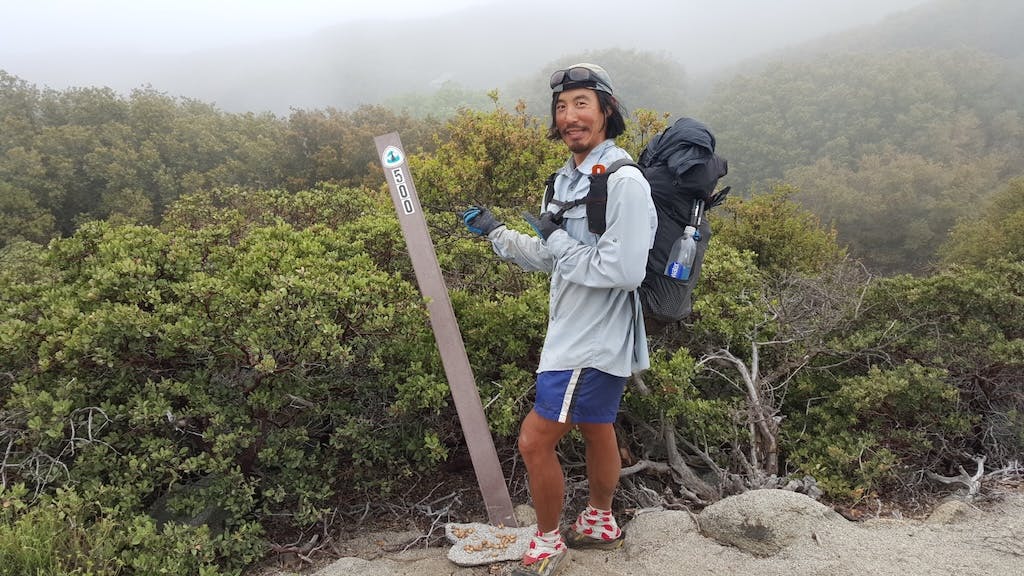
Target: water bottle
pixel 680 259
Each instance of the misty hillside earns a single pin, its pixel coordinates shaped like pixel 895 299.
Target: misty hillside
pixel 990 26
pixel 921 133
pixel 891 134
pixel 511 48
pixel 876 86
pixel 481 48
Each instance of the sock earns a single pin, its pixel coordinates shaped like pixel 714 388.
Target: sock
pixel 542 545
pixel 597 523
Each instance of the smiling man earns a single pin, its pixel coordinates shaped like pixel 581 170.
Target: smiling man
pixel 595 337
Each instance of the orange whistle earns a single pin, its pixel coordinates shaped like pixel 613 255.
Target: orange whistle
pixel 598 169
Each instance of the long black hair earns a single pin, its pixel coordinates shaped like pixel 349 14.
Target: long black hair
pixel 614 111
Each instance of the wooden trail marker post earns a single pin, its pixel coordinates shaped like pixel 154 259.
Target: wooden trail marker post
pixel 446 331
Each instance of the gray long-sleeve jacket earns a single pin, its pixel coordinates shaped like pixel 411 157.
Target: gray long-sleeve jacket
pixel 594 320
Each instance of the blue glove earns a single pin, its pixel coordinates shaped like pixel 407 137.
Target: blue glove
pixel 479 220
pixel 545 225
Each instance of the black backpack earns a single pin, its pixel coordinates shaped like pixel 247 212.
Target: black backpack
pixel 683 170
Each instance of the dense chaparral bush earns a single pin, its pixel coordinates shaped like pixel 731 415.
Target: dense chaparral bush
pixel 252 370
pixel 262 358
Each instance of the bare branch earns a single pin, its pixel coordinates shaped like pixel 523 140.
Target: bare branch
pixel 1013 469
pixel 684 475
pixel 971 482
pixel 659 467
pixel 641 388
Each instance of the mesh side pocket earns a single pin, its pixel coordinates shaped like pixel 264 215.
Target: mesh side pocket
pixel 666 299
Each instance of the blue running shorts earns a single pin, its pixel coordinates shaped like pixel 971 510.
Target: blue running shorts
pixel 583 395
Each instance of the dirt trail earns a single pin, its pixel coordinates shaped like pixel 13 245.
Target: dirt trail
pixel 760 533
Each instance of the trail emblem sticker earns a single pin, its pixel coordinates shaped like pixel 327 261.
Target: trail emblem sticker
pixel 392 157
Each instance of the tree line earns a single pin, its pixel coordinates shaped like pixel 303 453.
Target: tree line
pixel 892 150
pixel 71 156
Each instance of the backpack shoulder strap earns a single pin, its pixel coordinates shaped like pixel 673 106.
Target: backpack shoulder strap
pixel 619 164
pixel 549 190
pixel 549 199
pixel 597 198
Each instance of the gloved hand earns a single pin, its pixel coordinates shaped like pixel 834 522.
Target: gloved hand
pixel 545 224
pixel 479 220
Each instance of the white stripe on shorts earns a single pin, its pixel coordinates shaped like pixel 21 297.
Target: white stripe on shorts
pixel 570 388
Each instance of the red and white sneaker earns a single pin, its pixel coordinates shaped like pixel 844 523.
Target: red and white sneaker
pixel 594 528
pixel 544 557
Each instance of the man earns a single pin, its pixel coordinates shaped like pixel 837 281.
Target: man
pixel 595 338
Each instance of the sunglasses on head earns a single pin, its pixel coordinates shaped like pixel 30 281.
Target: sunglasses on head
pixel 578 74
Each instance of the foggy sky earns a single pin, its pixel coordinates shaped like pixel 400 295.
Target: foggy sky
pixel 275 54
pixel 176 26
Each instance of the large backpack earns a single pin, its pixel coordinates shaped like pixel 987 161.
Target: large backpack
pixel 683 170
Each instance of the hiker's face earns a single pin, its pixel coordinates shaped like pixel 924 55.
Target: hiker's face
pixel 580 121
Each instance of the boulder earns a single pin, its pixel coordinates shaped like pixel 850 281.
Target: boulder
pixel 525 514
pixel 650 530
pixel 951 511
pixel 763 522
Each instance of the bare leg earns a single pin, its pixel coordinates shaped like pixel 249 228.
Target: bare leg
pixel 538 438
pixel 603 463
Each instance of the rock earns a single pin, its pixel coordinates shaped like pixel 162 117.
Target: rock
pixel 951 511
pixel 763 522
pixel 525 515
pixel 476 543
pixel 653 529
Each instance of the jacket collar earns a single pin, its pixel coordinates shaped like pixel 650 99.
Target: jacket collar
pixel 593 158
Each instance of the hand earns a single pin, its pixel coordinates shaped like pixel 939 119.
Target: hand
pixel 479 220
pixel 545 224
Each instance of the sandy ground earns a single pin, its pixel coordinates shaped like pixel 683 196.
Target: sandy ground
pixel 762 533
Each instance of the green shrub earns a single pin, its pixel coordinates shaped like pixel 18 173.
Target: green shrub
pixel 220 372
pixel 67 535
pixel 874 431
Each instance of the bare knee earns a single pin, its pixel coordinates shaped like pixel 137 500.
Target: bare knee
pixel 531 444
pixel 538 437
